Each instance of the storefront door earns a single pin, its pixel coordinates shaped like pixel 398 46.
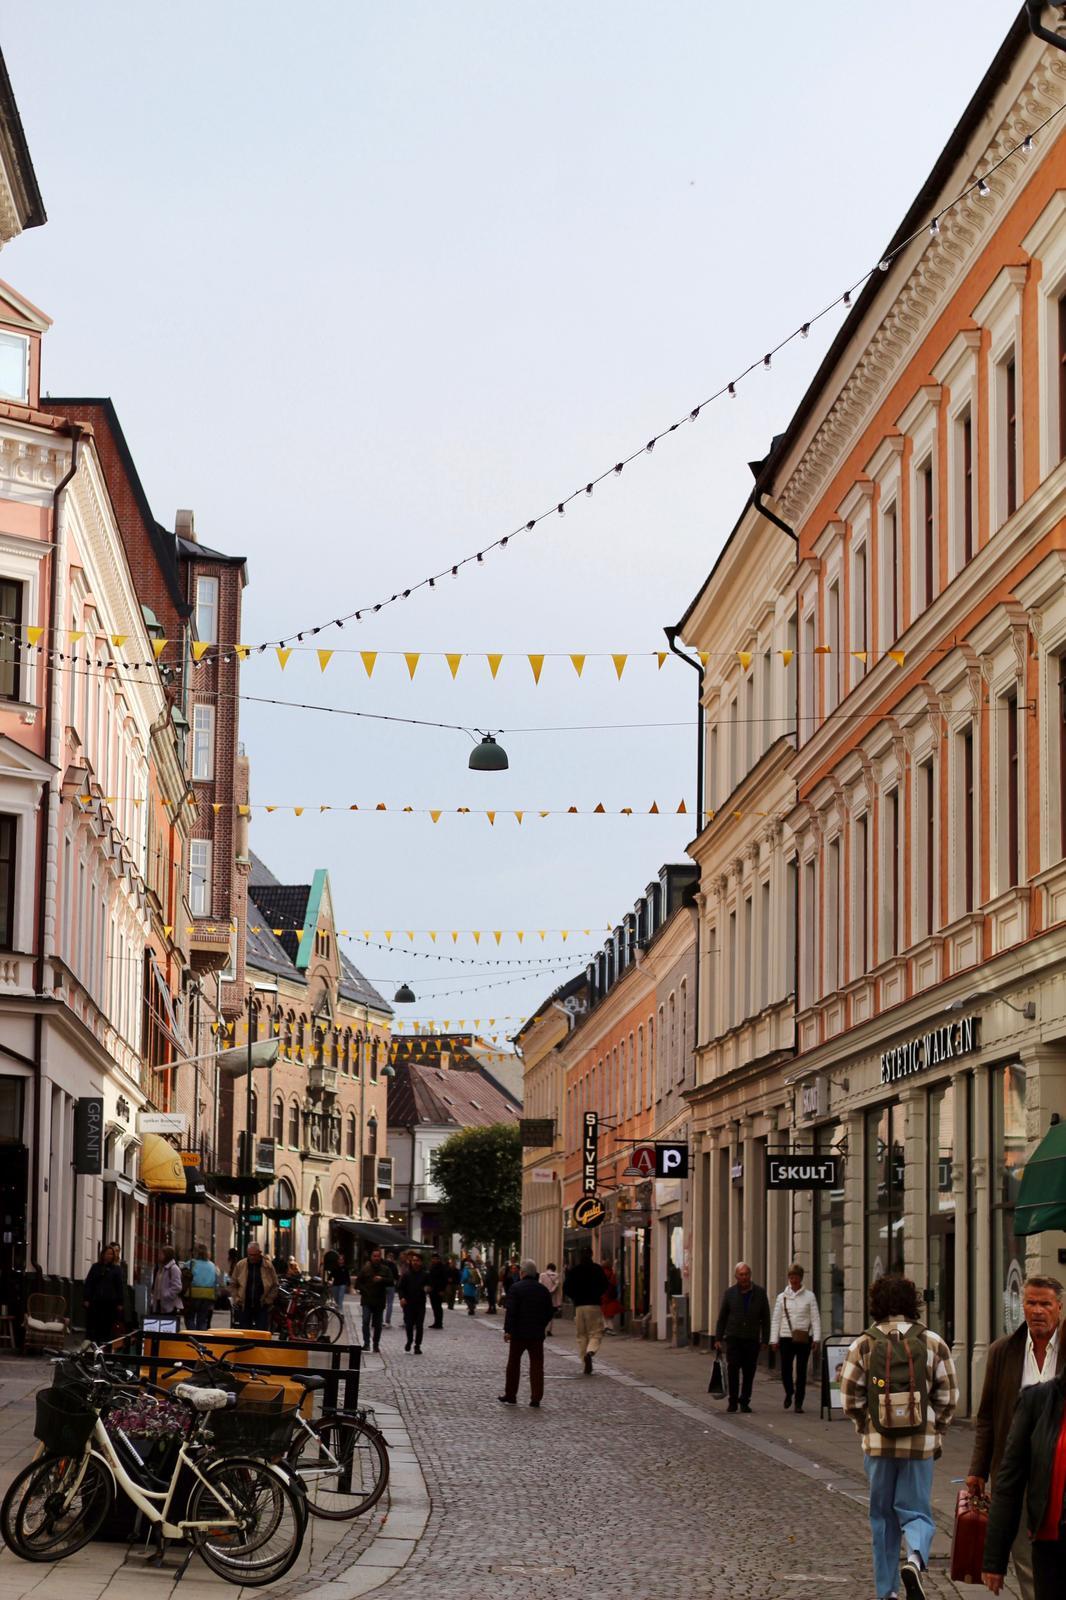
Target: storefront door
pixel 940 1288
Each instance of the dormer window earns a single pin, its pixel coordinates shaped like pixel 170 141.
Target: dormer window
pixel 14 367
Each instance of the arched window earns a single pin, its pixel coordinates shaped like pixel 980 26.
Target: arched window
pixel 349 1140
pixel 294 1124
pixel 346 1056
pixel 287 1035
pixel 277 1127
pixel 342 1201
pixel 335 1051
pixel 640 1069
pixel 374 1062
pixel 682 1055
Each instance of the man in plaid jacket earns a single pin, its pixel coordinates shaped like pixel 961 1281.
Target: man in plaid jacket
pixel 899 1466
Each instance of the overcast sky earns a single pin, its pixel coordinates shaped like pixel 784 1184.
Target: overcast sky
pixel 370 285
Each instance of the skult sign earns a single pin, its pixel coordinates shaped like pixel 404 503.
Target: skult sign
pixel 803 1172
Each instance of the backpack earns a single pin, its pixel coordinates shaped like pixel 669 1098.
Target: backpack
pixel 898 1381
pixel 186 1281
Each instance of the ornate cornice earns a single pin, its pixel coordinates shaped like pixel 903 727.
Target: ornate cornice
pixel 932 278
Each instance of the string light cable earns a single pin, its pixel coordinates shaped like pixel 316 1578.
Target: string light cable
pixel 979 188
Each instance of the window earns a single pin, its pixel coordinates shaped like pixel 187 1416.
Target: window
pixel 734 745
pixel 860 896
pixel 860 627
pixel 791 914
pixel 731 969
pixel 682 1064
pixel 891 574
pixel 808 926
pixel 1008 1162
pixel 925 859
pixel 809 705
pixel 967 809
pixel 277 1126
pixel 833 931
pixel 941 1210
pixel 203 742
pixel 885 1172
pixel 835 663
pixel 350 1135
pixel 372 1137
pixel 200 877
pixel 207 610
pixel 294 1125
pixel 768 732
pixel 966 503
pixel 1010 432
pixel 927 534
pixel 747 959
pixel 10 638
pixel 1013 787
pixel 829 1236
pixel 751 729
pixel 8 835
pixel 1061 328
pixel 764 946
pixel 890 855
pixel 14 367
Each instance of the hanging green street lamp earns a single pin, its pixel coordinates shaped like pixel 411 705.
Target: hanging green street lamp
pixel 488 756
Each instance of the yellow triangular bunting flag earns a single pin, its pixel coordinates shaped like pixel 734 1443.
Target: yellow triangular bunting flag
pixel 660 656
pixel 492 818
pixel 297 811
pixel 520 936
pixel 243 651
pixel 860 655
pixel 682 809
pixel 453 664
pixel 283 657
pixel 518 817
pixel 435 815
pixel 598 808
pixel 786 656
pixel 494 663
pixel 369 660
pixel 412 657
pixel 744 657
pixel 35 635
pixel 324 658
pixel 898 656
pixel 619 664
pixel 118 640
pixel 477 940
pixel 653 809
pixel 168 929
pixel 536 666
pixel 200 648
pixel 158 646
pixel 579 664
pixel 77 634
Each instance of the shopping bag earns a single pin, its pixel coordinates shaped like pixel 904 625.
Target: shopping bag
pixel 717 1383
pixel 968 1537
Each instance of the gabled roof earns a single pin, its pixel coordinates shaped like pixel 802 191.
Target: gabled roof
pixel 423 1095
pixel 293 907
pixel 283 907
pixel 353 986
pixel 15 155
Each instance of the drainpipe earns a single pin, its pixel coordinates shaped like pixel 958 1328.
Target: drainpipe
pixel 1034 10
pixel 47 845
pixel 697 667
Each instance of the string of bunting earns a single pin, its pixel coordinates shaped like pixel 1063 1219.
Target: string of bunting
pixel 410 934
pixel 433 812
pixel 978 189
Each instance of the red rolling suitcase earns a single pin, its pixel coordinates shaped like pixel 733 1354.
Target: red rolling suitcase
pixel 968 1536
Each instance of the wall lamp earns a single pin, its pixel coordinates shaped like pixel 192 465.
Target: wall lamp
pixel 1027 1009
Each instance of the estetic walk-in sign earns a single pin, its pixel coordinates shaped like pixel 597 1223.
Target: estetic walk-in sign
pixel 951 1039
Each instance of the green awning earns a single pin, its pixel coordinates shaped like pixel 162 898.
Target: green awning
pixel 1041 1202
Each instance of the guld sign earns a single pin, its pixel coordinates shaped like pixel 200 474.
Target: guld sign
pixel 589 1212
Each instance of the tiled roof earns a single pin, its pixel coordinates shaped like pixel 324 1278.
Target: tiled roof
pixel 279 905
pixel 260 875
pixel 284 906
pixel 442 1097
pixel 353 986
pixel 264 952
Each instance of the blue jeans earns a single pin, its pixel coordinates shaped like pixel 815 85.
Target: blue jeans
pixel 390 1296
pixel 901 1507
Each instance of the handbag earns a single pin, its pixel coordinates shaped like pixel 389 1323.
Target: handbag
pixel 968 1536
pixel 797 1335
pixel 716 1386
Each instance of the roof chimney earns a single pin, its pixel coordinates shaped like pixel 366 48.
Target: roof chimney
pixel 185 525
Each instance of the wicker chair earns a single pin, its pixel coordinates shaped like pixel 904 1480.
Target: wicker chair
pixel 46 1321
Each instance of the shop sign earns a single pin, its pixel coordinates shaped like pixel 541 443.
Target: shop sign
pixel 951 1039
pixel 122 1108
pixel 89 1136
pixel 736 1172
pixel 543 1175
pixel 671 1160
pixel 162 1122
pixel 590 1141
pixel 803 1172
pixel 264 1157
pixel 812 1099
pixel 589 1212
pixel 536 1131
pixel 255 1218
pixel 189 1158
pixel 641 1162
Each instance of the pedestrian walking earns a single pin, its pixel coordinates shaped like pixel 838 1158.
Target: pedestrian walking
pixel 412 1287
pixel 102 1296
pixel 470 1283
pixel 339 1278
pixel 511 1276
pixel 390 1292
pixel 453 1282
pixel 796 1333
pixel 253 1289
pixel 743 1327
pixel 204 1282
pixel 611 1304
pixel 374 1281
pixel 1032 1469
pixel 527 1315
pixel 585 1285
pixel 1032 1354
pixel 166 1286
pixel 550 1279
pixel 898 1386
pixel 492 1287
pixel 439 1279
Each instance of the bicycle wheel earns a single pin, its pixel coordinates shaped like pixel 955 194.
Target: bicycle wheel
pixel 315 1323
pixel 54 1507
pixel 344 1466
pixel 334 1322
pixel 269 1533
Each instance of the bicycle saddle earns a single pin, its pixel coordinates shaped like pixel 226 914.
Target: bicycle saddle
pixel 312 1382
pixel 203 1399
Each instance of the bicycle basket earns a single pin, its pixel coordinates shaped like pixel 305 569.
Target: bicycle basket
pixel 71 1376
pixel 64 1426
pixel 261 1427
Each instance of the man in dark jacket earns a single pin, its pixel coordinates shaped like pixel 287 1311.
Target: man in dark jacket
pixel 1033 1353
pixel 375 1280
pixel 585 1285
pixel 1032 1470
pixel 744 1324
pixel 412 1291
pixel 528 1312
pixel 439 1277
pixel 492 1286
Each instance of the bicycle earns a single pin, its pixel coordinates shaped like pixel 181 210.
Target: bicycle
pixel 306 1310
pixel 340 1457
pixel 244 1515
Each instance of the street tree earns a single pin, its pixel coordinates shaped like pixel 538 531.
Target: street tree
pixel 479 1174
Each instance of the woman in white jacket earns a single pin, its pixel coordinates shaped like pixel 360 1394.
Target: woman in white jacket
pixel 795 1330
pixel 550 1279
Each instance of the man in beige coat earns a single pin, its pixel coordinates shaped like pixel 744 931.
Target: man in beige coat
pixel 253 1289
